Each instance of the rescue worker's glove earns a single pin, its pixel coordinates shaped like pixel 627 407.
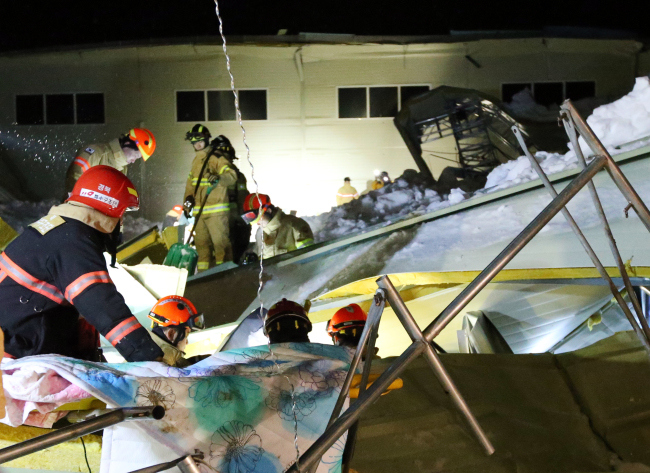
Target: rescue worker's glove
pixel 213 180
pixel 188 205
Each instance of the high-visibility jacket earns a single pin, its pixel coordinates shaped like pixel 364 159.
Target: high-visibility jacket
pixel 284 233
pixel 55 271
pixel 346 194
pixel 217 167
pixel 107 154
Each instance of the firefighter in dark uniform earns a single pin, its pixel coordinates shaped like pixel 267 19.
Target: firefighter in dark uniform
pixel 55 272
pixel 240 232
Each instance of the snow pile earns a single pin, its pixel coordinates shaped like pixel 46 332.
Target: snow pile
pixel 626 120
pixel 407 195
pixel 134 226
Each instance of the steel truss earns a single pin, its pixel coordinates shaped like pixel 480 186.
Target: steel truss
pixel 423 339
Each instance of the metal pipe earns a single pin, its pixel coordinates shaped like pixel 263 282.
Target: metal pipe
pixel 643 336
pixel 614 171
pixel 573 137
pixel 345 421
pixel 188 465
pixel 78 430
pixel 374 314
pixel 411 326
pixel 513 248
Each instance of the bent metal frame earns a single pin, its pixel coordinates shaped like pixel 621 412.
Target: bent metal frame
pixel 423 339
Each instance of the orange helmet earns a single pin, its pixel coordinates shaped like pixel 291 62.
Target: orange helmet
pixel 144 140
pixel 176 311
pixel 252 212
pixel 178 209
pixel 107 190
pixel 348 321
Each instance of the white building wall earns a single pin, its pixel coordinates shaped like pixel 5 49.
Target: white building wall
pixel 303 151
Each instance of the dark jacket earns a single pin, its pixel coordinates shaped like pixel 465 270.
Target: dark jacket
pixel 56 271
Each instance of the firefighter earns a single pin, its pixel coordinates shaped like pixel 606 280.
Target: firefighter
pixel 346 326
pixel 127 149
pixel 173 318
pixel 347 193
pixel 240 232
pixel 381 179
pixel 287 321
pixel 280 232
pixel 55 272
pixel 172 217
pixel 206 193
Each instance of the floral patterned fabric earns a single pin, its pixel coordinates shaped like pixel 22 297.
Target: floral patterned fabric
pixel 235 407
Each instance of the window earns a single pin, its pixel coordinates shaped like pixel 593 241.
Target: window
pixel 352 102
pixel 409 91
pixel 548 93
pixel 580 90
pixel 90 109
pixel 376 101
pixel 220 105
pixel 60 109
pixel 190 106
pixel 252 104
pixel 383 101
pixel 30 110
pixel 551 93
pixel 508 91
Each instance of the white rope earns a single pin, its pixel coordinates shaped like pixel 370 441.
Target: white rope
pixel 261 256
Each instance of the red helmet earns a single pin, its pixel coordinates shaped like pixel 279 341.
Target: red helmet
pixel 107 190
pixel 144 140
pixel 286 308
pixel 252 212
pixel 349 320
pixel 178 209
pixel 176 311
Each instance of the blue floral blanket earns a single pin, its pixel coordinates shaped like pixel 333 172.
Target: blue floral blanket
pixel 235 407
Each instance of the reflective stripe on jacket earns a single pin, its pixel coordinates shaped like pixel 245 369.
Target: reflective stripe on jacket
pixel 55 271
pixel 107 154
pixel 346 194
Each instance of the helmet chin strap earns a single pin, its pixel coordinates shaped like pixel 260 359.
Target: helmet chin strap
pixel 111 241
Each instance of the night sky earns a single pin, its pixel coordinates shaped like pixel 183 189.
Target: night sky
pixel 29 24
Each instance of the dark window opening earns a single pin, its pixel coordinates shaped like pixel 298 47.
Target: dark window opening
pixel 221 105
pixel 549 93
pixel 252 104
pixel 90 109
pixel 352 102
pixel 29 110
pixel 59 109
pixel 580 90
pixel 190 106
pixel 509 90
pixel 383 101
pixel 409 91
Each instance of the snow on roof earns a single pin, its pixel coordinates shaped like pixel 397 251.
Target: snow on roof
pixel 622 125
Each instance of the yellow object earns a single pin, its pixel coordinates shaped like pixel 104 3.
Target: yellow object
pixel 212 230
pixel 346 194
pixel 368 286
pixel 107 154
pixel 285 233
pixel 7 234
pixel 356 382
pixel 170 236
pixel 83 405
pixel 68 456
pixel 212 239
pixel 594 320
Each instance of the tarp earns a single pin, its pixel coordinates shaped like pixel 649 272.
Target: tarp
pixel 235 407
